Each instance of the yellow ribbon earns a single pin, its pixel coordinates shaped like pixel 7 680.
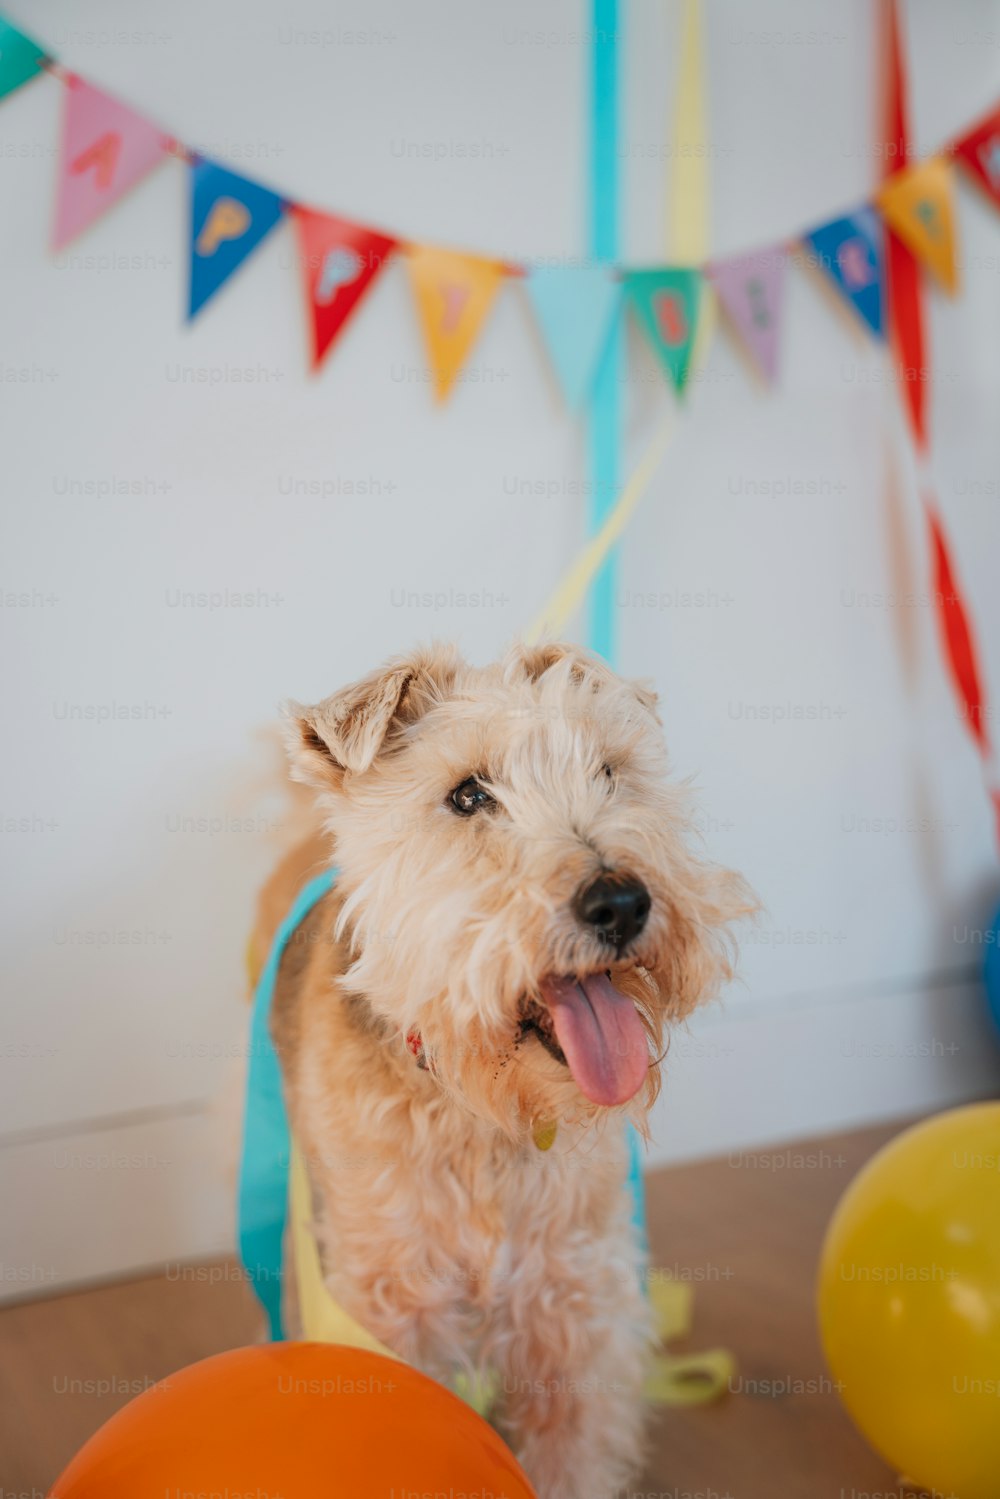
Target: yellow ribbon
pixel 554 618
pixel 323 1319
pixel 686 1379
pixel 687 192
pixel 687 236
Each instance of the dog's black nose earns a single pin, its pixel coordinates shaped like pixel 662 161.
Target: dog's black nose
pixel 617 904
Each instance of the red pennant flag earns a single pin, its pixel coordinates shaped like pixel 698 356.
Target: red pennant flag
pixel 340 260
pixel 979 151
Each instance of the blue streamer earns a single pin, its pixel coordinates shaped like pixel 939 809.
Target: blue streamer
pixel 263 1189
pixel 606 405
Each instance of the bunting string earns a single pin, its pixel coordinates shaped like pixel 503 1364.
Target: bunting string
pixel 874 256
pixel 906 229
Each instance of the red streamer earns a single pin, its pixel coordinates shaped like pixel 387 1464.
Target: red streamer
pixel 959 645
pixel 906 327
pixel 906 313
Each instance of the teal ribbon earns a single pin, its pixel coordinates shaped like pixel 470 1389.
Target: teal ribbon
pixel 263 1187
pixel 606 403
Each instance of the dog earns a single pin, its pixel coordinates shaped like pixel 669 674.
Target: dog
pixel 469 1019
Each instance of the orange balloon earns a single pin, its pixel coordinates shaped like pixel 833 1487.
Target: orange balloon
pixel 299 1420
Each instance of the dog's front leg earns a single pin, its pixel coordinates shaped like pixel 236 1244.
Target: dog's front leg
pixel 572 1375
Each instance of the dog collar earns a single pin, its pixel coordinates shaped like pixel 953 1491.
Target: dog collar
pixel 415 1046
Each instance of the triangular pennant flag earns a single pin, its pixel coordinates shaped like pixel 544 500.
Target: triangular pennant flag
pixel 575 307
pixel 917 204
pixel 106 148
pixel 751 289
pixel 666 302
pixel 20 58
pixel 340 260
pixel 979 151
pixel 852 252
pixel 454 292
pixel 230 215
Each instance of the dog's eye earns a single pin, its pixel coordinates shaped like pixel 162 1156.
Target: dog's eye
pixel 608 774
pixel 469 797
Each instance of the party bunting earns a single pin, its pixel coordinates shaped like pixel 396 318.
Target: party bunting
pixel 575 307
pixel 340 260
pixel 229 217
pixel 979 152
pixel 666 303
pixel 917 204
pixel 454 292
pixel 106 148
pixel 20 58
pixel 751 289
pixel 851 251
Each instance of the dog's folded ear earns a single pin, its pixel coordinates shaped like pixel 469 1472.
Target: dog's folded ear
pixel 346 731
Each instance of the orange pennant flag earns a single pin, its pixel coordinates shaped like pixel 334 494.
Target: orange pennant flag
pixel 454 293
pixel 917 204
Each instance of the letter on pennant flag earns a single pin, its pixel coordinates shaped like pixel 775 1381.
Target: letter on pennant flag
pixel 751 289
pixel 229 217
pixel 454 292
pixel 666 303
pixel 852 252
pixel 979 151
pixel 575 307
pixel 917 204
pixel 20 58
pixel 106 148
pixel 340 260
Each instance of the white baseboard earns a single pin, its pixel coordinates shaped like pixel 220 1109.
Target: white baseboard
pixel 112 1201
pixel 152 1192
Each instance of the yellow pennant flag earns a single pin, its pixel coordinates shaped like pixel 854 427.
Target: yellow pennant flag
pixel 917 204
pixel 454 292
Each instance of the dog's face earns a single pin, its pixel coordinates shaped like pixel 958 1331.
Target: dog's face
pixel 520 892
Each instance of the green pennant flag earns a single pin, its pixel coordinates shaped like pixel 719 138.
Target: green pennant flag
pixel 666 302
pixel 20 58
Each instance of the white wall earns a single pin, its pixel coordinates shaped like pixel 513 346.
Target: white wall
pixel 114 1048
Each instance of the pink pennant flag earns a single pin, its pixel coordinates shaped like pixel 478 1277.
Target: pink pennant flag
pixel 751 289
pixel 106 148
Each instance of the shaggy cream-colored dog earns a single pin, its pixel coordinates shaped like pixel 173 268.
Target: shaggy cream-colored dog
pixel 466 1022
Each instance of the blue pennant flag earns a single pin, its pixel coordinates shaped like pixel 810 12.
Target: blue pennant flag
pixel 575 307
pixel 852 252
pixel 229 217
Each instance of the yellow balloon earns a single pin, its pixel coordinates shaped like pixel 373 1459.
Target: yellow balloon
pixel 909 1302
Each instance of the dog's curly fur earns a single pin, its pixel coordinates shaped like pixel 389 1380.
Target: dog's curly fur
pixel 442 1227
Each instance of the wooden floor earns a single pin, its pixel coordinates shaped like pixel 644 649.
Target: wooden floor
pixel 746 1230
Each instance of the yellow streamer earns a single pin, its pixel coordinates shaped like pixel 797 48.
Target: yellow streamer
pixel 323 1319
pixel 687 194
pixel 687 187
pixel 686 1378
pixel 569 595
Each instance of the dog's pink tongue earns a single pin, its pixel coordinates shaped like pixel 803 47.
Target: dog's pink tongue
pixel 601 1035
